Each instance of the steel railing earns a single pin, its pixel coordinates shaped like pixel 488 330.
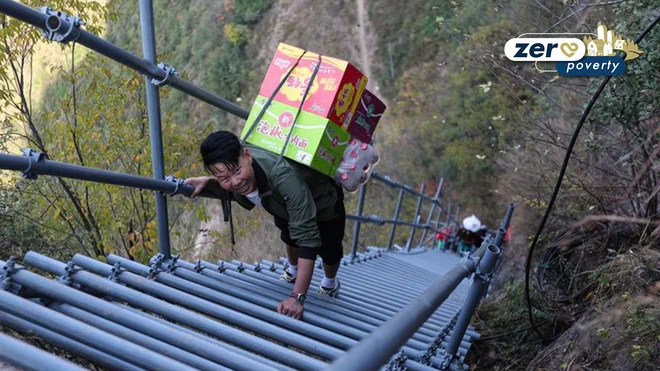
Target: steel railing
pixel 60 27
pixel 386 340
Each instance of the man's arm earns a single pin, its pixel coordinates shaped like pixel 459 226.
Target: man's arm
pixel 207 183
pixel 304 277
pixel 214 186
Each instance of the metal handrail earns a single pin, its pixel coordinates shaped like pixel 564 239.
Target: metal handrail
pixel 384 342
pixel 387 180
pixel 37 165
pixel 101 46
pixel 60 27
pixel 27 164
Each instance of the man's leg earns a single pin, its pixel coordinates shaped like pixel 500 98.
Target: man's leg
pixel 331 256
pixel 291 272
pixel 330 270
pixel 332 251
pixel 330 283
pixel 292 255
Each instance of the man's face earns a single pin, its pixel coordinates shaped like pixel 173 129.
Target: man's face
pixel 241 179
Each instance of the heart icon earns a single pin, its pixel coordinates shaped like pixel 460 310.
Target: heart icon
pixel 569 49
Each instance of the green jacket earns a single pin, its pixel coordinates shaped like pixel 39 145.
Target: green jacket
pixel 295 193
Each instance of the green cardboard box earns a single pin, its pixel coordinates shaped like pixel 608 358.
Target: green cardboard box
pixel 316 141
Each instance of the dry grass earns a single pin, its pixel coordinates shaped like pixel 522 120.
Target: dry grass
pixel 620 330
pixel 602 286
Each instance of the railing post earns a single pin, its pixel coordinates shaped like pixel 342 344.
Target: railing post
pixel 430 217
pixel 449 239
pixel 155 132
pixel 397 210
pixel 504 225
pixel 356 230
pixel 507 217
pixel 482 277
pixel 436 223
pixel 448 222
pixel 458 214
pixel 416 219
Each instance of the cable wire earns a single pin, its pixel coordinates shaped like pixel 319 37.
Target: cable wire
pixel 560 178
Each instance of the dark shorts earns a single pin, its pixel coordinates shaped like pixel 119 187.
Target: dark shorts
pixel 332 235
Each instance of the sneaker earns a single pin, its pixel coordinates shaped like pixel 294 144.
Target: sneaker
pixel 288 277
pixel 330 291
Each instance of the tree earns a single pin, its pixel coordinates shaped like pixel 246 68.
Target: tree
pixel 91 117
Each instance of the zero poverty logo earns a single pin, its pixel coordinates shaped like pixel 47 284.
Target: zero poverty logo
pixel 594 55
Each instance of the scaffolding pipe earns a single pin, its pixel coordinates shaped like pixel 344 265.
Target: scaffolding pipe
pixel 243 308
pixel 155 127
pixel 31 358
pixel 371 309
pixel 356 230
pixel 439 318
pixel 436 198
pixel 86 334
pixel 499 237
pixel 138 296
pixel 385 341
pixel 358 296
pixel 264 361
pixel 227 285
pixel 136 337
pixel 363 313
pixel 313 332
pixel 437 220
pixel 317 314
pixel 397 210
pixel 507 217
pixel 61 169
pixel 360 299
pixel 93 304
pixel 393 184
pixel 30 329
pixel 416 220
pixel 479 286
pixel 411 364
pixel 346 313
pixel 38 19
pixel 374 219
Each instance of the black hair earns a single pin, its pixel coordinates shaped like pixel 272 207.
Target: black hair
pixel 221 147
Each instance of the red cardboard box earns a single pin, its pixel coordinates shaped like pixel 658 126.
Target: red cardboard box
pixel 363 124
pixel 336 89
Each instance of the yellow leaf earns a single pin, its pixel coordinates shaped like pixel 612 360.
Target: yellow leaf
pixel 56 214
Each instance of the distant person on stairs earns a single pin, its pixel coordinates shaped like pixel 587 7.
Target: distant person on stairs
pixel 307 207
pixel 470 235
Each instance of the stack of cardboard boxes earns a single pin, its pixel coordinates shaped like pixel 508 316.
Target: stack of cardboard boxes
pixel 337 108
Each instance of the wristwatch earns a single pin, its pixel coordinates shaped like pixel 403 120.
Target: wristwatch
pixel 300 298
